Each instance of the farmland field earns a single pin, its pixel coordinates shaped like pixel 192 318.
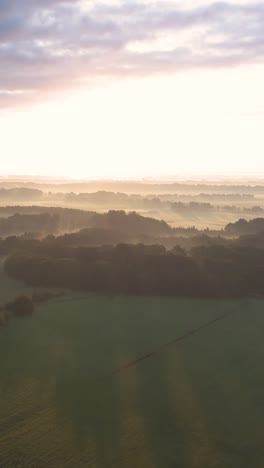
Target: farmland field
pixel 198 403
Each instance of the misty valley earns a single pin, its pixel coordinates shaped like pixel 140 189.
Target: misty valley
pixel 130 328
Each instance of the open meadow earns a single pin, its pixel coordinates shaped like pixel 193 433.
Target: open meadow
pixel 68 399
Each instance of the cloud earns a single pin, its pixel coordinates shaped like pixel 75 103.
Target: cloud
pixel 52 45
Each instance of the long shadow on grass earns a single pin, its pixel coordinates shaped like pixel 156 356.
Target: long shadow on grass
pixel 88 405
pixel 227 374
pixel 162 432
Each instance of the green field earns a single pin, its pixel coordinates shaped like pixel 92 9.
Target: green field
pixel 196 404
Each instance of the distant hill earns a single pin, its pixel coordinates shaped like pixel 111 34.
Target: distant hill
pixel 43 221
pixel 242 227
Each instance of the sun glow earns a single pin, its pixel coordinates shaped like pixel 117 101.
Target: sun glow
pixel 190 122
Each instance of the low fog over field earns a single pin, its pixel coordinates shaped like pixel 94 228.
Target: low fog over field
pixel 199 203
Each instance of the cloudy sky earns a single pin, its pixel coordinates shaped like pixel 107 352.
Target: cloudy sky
pixel 130 88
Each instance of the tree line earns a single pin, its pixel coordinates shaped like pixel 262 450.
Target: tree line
pixel 218 271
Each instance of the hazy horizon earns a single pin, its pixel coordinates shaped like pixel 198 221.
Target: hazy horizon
pixel 182 177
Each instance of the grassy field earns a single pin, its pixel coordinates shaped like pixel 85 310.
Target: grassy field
pixel 196 404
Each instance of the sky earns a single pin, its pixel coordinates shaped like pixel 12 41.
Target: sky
pixel 124 89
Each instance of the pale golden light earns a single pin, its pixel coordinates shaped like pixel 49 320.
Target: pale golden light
pixel 197 122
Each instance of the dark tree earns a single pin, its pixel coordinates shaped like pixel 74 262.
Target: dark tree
pixel 22 306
